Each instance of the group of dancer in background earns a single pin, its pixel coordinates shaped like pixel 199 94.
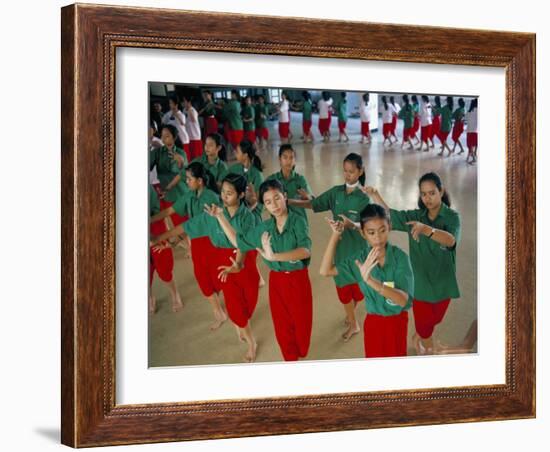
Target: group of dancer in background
pixel 232 216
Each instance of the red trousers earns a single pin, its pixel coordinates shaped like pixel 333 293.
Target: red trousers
pixel 365 129
pixel 416 124
pixel 240 290
pixel 291 303
pixel 324 125
pixel 436 125
pixel 187 150
pixel 428 315
pixel 176 219
pixel 408 133
pixel 195 149
pixel 425 133
pixel 262 132
pixel 341 126
pixel 387 129
pixel 443 136
pixel 211 125
pixel 349 293
pixel 250 135
pixel 458 128
pixel 386 335
pixel 201 255
pixel 471 139
pixel 160 261
pixel 306 127
pixel 235 137
pixel 394 124
pixel 284 129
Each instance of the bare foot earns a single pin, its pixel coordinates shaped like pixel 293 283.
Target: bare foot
pixel 351 331
pixel 220 317
pixel 239 334
pixel 250 356
pixel 152 304
pixel 177 304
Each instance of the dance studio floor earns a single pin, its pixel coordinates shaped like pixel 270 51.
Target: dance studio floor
pixel 184 338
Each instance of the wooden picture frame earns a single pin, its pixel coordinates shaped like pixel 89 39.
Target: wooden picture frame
pixel 90 37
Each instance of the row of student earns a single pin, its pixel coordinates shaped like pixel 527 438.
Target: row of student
pixel 284 243
pixel 433 121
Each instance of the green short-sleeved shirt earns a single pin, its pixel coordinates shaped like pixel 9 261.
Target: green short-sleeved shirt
pixel 291 185
pixel 436 110
pixel 154 204
pixel 458 114
pixel 167 169
pixel 295 235
pixel 446 115
pixel 341 203
pixel 233 115
pixel 396 273
pixel 434 265
pixel 217 169
pixel 259 119
pixel 192 203
pixel 407 115
pixel 306 110
pixel 416 109
pixel 249 113
pixel 205 225
pixel 253 175
pixel 209 109
pixel 343 111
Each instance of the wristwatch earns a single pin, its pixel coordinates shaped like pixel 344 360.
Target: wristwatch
pixel 431 233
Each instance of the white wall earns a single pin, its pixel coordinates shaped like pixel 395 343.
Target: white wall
pixel 30 307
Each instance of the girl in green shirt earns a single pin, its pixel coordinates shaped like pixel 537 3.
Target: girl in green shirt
pixel 407 115
pixel 384 274
pixel 342 118
pixel 345 202
pixel 202 192
pixel 170 162
pixel 213 158
pixel 307 108
pixel 284 244
pixel 209 113
pixel 416 122
pixel 434 231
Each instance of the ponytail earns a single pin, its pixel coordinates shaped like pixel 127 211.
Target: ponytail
pixel 248 148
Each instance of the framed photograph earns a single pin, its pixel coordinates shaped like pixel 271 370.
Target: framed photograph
pixel 310 241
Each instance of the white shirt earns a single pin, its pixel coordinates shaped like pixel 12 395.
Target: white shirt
pixel 324 107
pixel 154 143
pixel 192 125
pixel 284 115
pixel 182 132
pixel 471 121
pixel 364 111
pixel 387 115
pixel 397 108
pixel 425 114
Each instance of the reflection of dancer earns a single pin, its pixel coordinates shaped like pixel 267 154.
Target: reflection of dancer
pixel 236 271
pixel 383 272
pixel 446 122
pixel 324 105
pixel 388 115
pixel 193 129
pixel 284 119
pixel 425 123
pixel 261 115
pixel 364 114
pixel 306 117
pixel 434 232
pixel 161 261
pixel 249 122
pixel 458 127
pixel 345 202
pixel 342 118
pixel 407 115
pixel 202 192
pixel 397 108
pixel 283 242
pixel 471 135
